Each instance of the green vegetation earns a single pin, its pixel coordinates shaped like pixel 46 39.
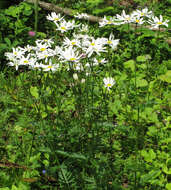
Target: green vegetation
pixel 84 107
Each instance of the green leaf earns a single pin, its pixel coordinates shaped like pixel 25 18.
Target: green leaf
pixel 130 64
pixel 150 176
pixel 168 186
pixel 166 170
pixel 141 83
pixel 14 187
pixel 148 156
pixel 34 92
pixel 3 46
pixel 7 40
pixel 44 114
pixel 44 149
pixel 166 77
pixel 141 58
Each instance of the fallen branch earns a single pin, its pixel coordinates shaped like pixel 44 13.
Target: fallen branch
pixel 66 11
pixel 91 18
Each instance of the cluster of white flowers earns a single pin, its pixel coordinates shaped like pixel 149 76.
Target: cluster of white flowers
pixel 138 17
pixel 72 54
pixel 81 15
pixel 48 57
pixel 61 24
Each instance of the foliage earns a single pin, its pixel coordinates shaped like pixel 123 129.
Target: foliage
pixel 58 132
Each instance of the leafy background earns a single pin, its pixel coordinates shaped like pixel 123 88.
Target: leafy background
pixel 53 138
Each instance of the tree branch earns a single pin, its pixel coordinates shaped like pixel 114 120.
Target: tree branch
pixel 71 12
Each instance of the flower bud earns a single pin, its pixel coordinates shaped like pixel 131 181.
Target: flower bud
pixel 75 76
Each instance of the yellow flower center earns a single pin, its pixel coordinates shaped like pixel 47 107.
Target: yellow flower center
pixel 128 18
pixel 63 28
pixel 72 59
pixel 142 14
pixel 109 22
pixel 15 53
pixel 25 61
pixel 159 23
pixel 42 49
pixel 137 21
pixel 109 42
pixel 49 66
pixel 109 85
pixel 56 19
pixel 46 56
pixel 73 43
pixel 93 44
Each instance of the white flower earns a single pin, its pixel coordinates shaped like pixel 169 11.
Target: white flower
pixel 82 15
pixel 75 76
pixel 14 63
pixel 99 61
pixel 95 45
pixel 16 53
pixel 138 20
pixel 26 60
pixel 111 21
pixel 142 13
pixel 77 66
pixel 111 42
pixel 83 80
pixel 157 22
pixel 54 17
pixel 84 28
pixel 69 55
pixel 47 42
pixel 41 47
pixel 96 62
pixel 50 67
pixel 67 42
pixel 35 66
pixel 57 50
pixel 29 48
pixel 124 18
pixel 64 26
pixel 108 82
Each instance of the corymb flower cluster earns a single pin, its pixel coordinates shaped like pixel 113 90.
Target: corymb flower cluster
pixel 79 53
pixel 138 17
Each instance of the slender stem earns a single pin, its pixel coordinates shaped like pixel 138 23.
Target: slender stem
pixel 36 15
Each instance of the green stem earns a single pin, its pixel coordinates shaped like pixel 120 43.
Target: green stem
pixel 36 15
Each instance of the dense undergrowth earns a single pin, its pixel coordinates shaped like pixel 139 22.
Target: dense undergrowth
pixel 89 114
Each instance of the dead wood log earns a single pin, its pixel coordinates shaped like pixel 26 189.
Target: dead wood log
pixel 91 18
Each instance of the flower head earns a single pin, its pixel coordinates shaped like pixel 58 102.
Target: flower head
pixel 124 18
pixel 31 33
pixel 142 13
pixel 157 22
pixel 54 17
pixel 69 55
pixel 108 82
pixel 81 15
